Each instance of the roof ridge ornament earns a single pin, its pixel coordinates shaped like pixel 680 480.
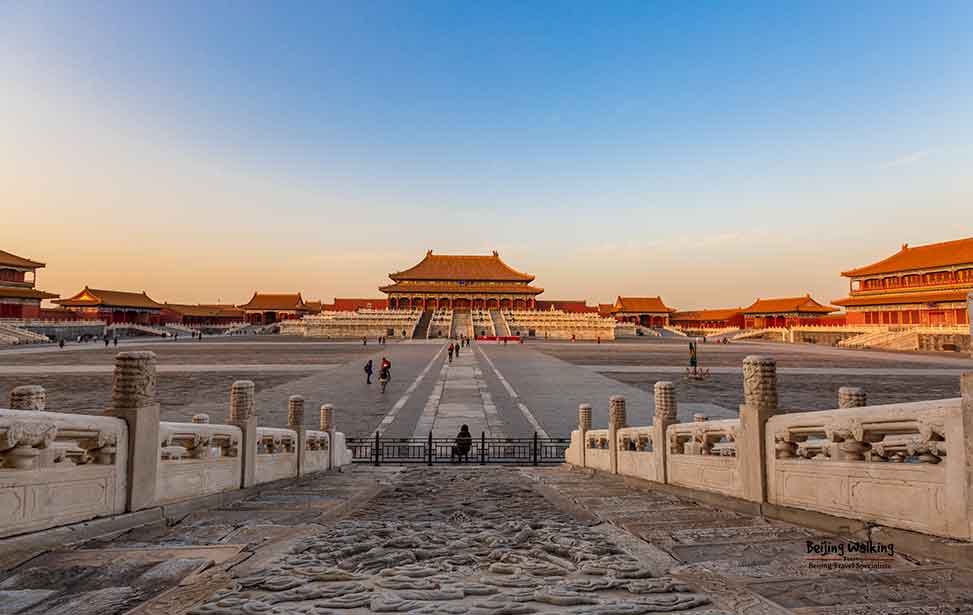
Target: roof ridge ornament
pixel 495 253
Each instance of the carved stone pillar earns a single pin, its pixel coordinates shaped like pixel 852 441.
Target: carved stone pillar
pixel 666 409
pixel 295 420
pixel 851 397
pixel 760 403
pixel 243 415
pixel 28 397
pixel 133 400
pixel 584 425
pixel 327 424
pixel 616 420
pixel 327 417
pixel 958 427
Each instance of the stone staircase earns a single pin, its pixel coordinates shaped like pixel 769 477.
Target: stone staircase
pixel 499 323
pixel 863 340
pixel 462 324
pixel 146 329
pixel 778 334
pixel 884 339
pixel 12 334
pixel 421 330
pixel 669 332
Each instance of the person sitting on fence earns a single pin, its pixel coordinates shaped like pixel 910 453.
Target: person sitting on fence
pixel 464 442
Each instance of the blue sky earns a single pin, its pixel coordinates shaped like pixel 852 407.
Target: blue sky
pixel 710 153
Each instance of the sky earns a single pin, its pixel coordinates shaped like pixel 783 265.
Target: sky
pixel 710 153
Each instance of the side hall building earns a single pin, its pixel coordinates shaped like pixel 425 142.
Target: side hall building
pixel 114 306
pixel 923 285
pixel 785 312
pixel 18 297
pixel 644 311
pixel 268 308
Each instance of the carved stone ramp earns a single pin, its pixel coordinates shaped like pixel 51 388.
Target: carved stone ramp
pixel 750 565
pixel 458 541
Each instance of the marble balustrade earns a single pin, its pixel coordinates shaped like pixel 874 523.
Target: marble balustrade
pixel 59 468
pixel 906 466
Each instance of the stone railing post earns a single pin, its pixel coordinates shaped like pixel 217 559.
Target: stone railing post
pixel 852 397
pixel 665 415
pixel 760 403
pixel 295 420
pixel 327 424
pixel 28 397
pixel 243 415
pixel 133 400
pixel 584 425
pixel 959 459
pixel 616 420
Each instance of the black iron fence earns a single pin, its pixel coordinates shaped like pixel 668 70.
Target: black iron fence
pixel 510 451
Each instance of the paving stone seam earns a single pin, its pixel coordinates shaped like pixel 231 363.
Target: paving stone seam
pixel 427 420
pixel 513 395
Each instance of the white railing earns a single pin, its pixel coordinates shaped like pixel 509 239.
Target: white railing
pixel 57 469
pixel 276 454
pixel 197 459
pixel 905 466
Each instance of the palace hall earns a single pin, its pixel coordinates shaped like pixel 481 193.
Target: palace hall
pixel 461 282
pixel 922 285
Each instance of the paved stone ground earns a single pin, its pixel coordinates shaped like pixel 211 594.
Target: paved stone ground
pixel 750 565
pixel 552 389
pixel 675 351
pixel 809 376
pixel 459 398
pixel 505 390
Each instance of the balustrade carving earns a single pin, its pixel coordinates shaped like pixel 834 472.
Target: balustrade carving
pixel 32 440
pixel 198 441
pixel 702 437
pixel 638 439
pixel 863 436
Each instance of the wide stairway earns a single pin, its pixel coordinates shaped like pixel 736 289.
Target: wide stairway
pixel 500 323
pixel 12 334
pixel 461 324
pixel 421 330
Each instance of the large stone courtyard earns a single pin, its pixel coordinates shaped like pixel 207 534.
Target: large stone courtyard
pixel 509 390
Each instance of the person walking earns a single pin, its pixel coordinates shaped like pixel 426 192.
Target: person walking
pixel 368 372
pixel 60 343
pixel 364 341
pixel 385 374
pixel 456 350
pixel 114 341
pixel 450 352
pixel 106 341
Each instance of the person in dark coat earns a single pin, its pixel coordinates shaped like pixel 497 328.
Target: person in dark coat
pixel 464 442
pixel 368 372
